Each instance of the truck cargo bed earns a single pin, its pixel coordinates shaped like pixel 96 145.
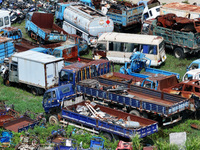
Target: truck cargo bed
pixel 20 124
pixel 138 97
pixel 146 127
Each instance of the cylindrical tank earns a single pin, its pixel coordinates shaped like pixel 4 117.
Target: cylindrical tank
pixel 88 19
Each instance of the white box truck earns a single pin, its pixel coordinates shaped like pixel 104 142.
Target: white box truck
pixel 33 70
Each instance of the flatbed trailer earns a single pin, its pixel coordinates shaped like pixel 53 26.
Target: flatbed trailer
pixel 138 100
pixel 147 127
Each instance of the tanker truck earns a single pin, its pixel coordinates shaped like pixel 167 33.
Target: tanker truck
pixel 82 20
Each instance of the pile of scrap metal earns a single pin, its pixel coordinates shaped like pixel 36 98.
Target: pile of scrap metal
pixel 184 24
pixel 18 9
pixel 117 6
pixel 118 89
pixel 89 110
pixel 28 142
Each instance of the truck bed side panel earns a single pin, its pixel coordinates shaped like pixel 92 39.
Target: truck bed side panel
pixel 128 17
pixel 183 39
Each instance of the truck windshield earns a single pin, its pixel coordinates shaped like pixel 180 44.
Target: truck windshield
pixel 161 46
pixel 46 97
pixel 145 28
pixel 101 46
pixel 56 53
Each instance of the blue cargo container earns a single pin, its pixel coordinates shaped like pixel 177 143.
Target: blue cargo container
pixel 6 48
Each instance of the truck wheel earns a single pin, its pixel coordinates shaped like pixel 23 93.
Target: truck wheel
pixel 107 136
pixel 41 41
pixel 34 91
pixel 179 53
pixel 53 120
pixel 135 112
pixel 6 82
pixel 105 58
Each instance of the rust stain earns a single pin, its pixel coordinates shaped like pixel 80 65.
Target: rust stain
pixel 182 6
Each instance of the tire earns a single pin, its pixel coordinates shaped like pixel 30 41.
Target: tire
pixel 34 91
pixel 41 41
pixel 108 136
pixel 53 120
pixel 6 82
pixel 135 112
pixel 179 53
pixel 144 115
pixel 105 58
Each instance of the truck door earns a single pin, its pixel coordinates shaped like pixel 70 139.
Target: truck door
pixel 50 100
pixel 13 72
pixel 187 91
pixel 52 70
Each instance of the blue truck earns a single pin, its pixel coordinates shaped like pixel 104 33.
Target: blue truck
pixel 133 99
pixel 145 76
pixel 95 125
pixel 40 27
pixel 12 32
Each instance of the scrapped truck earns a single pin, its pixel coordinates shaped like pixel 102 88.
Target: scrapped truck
pixel 180 34
pixel 11 120
pixel 145 76
pixel 181 10
pixel 130 98
pixel 41 27
pixel 6 48
pixel 124 14
pixel 82 20
pixel 12 32
pixel 33 70
pixel 101 120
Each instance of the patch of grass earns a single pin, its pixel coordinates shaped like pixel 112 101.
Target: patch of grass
pixel 21 99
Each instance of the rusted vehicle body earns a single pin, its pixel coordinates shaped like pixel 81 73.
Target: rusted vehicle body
pixel 20 124
pixel 161 80
pixel 187 89
pixel 181 10
pixel 180 34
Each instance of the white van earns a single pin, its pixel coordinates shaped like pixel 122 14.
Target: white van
pixel 4 19
pixel 118 47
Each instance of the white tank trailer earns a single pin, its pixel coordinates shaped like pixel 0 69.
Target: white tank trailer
pixel 87 21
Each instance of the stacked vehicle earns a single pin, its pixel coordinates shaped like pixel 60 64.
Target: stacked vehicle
pixel 177 32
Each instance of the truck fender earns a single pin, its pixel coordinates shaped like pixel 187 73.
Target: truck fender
pixel 53 120
pixel 135 112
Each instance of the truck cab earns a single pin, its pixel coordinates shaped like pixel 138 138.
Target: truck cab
pixel 150 11
pixel 80 71
pixel 53 97
pixel 4 19
pixel 12 32
pixel 192 74
pixel 194 65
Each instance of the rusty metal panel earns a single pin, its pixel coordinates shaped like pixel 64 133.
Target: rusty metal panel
pixel 43 20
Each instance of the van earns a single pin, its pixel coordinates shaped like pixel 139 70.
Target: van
pixel 118 47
